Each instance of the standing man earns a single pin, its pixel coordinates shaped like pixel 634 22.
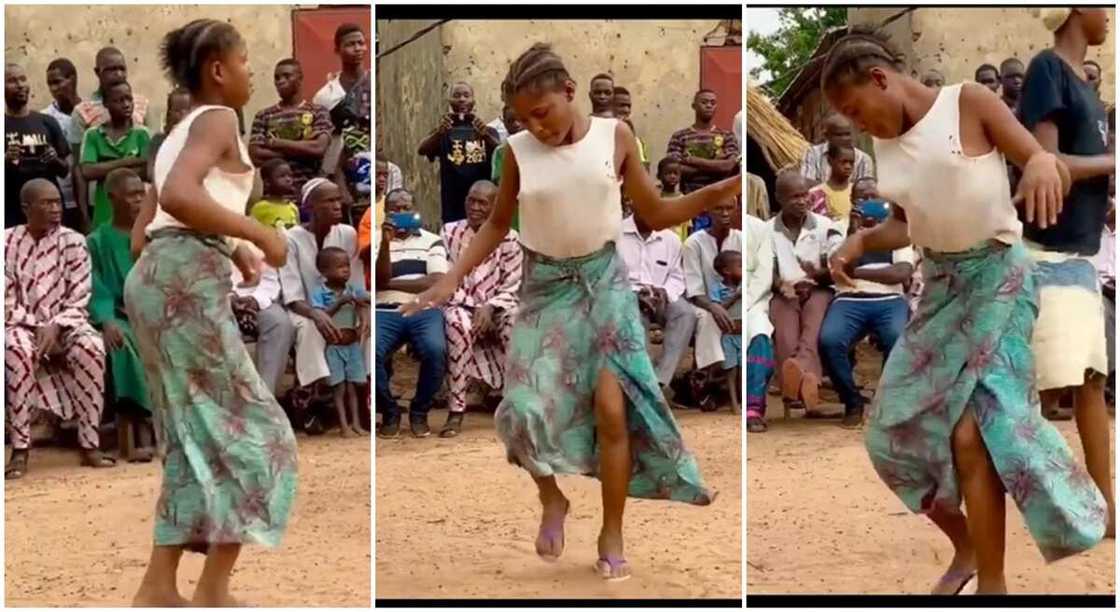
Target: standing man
pixel 479 317
pixel 34 145
pixel 705 152
pixel 601 94
pixel 1011 75
pixel 62 80
pixel 988 76
pixel 110 68
pixel 351 47
pixel 53 358
pixel 816 167
pixel 464 147
pixel 656 265
pixel 294 130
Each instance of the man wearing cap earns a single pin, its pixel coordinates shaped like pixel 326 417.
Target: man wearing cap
pixel 875 305
pixel 314 328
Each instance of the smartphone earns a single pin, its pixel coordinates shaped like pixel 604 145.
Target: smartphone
pixel 405 221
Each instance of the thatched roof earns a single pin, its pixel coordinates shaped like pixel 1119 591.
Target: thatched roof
pixel 781 143
pixel 809 76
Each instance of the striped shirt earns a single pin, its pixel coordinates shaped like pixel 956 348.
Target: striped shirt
pixel 413 257
pixel 302 122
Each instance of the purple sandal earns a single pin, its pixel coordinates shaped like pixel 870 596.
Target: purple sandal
pixel 552 533
pixel 963 576
pixel 607 566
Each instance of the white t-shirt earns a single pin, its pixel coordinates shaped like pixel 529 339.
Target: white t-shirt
pixel 818 237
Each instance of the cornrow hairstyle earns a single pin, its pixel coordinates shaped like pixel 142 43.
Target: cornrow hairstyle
pixel 836 149
pixel 270 167
pixel 345 30
pixel 863 48
pixel 984 67
pixel 327 254
pixel 185 51
pixel 537 68
pixel 621 91
pixel 63 65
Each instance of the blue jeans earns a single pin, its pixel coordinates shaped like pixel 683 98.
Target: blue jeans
pixel 424 333
pixel 847 322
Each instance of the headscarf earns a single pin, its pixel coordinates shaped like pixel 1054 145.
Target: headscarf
pixel 309 188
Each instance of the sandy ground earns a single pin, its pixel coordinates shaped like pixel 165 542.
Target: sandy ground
pixel 454 520
pixel 819 520
pixel 80 537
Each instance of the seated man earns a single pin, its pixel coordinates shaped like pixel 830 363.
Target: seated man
pixel 656 268
pixel 111 263
pixel 876 304
pixel 54 359
pixel 802 241
pixel 409 261
pixel 261 316
pixel 299 276
pixel 700 277
pixel 479 317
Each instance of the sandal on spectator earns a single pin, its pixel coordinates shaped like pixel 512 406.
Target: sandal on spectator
pixel 94 459
pixel 453 425
pixel 17 465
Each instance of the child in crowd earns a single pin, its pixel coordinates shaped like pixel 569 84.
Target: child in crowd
pixel 116 144
pixel 833 198
pixel 178 105
pixel 729 293
pixel 669 178
pixel 348 306
pixel 277 209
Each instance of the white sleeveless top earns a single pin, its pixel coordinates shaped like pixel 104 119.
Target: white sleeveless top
pixel 229 189
pixel 953 202
pixel 570 199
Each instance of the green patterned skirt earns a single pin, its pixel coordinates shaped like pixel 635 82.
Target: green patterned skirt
pixel 577 317
pixel 229 454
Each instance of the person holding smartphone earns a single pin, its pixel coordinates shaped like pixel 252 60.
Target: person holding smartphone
pixel 464 146
pixel 409 261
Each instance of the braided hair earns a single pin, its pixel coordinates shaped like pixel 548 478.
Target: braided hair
pixel 185 51
pixel 863 48
pixel 537 68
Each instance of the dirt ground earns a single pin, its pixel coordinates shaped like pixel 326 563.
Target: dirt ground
pixel 454 520
pixel 819 520
pixel 80 537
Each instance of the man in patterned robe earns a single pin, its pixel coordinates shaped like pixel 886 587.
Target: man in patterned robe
pixel 54 359
pixel 479 317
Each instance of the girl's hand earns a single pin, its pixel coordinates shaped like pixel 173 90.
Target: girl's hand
pixel 731 187
pixel 844 257
pixel 1042 189
pixel 434 297
pixel 274 246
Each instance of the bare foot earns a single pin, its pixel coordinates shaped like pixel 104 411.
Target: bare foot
pixel 215 600
pixel 154 598
pixel 345 432
pixel 961 571
pixel 550 537
pixel 358 431
pixel 612 565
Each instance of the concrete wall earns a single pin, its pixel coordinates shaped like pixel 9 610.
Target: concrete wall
pixel 36 35
pixel 658 61
pixel 957 40
pixel 409 85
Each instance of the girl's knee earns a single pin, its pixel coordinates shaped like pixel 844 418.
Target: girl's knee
pixel 968 443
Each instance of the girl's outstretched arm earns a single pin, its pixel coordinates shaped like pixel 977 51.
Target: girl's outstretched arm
pixel 658 212
pixel 485 242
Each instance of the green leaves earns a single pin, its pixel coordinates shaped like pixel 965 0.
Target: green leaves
pixel 785 51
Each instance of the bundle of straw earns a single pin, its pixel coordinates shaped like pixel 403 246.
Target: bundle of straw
pixel 781 143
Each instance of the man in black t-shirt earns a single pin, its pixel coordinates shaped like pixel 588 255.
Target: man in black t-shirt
pixel 464 146
pixel 34 145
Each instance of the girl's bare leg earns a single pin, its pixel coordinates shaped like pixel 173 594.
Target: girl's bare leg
pixel 984 499
pixel 1093 427
pixel 554 509
pixel 614 466
pixel 213 584
pixel 955 526
pixel 158 588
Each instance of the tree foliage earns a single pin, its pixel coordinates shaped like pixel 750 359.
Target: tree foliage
pixel 786 50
